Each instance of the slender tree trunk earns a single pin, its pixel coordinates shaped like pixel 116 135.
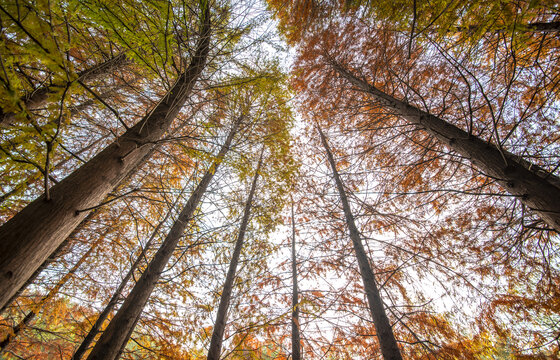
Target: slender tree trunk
pixel 38 98
pixel 387 341
pixel 221 318
pixel 36 231
pixel 296 343
pixel 534 187
pixel 119 329
pixel 117 294
pixel 38 306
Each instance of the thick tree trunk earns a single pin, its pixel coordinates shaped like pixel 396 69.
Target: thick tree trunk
pixel 296 343
pixel 38 98
pixel 38 306
pixel 38 175
pixel 116 295
pixel 387 341
pixel 542 27
pixel 60 251
pixel 36 231
pixel 221 317
pixel 534 187
pixel 119 329
pixel 553 26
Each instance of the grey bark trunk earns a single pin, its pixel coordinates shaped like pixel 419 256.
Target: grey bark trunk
pixel 120 328
pixel 534 187
pixel 38 175
pixel 38 306
pixel 116 295
pixel 60 251
pixel 38 98
pixel 215 349
pixel 296 341
pixel 387 341
pixel 36 231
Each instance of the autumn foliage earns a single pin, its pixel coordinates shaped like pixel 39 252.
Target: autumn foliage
pixel 289 143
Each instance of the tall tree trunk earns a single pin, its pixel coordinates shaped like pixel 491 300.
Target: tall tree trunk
pixel 543 27
pixel 39 175
pixel 38 98
pixel 60 251
pixel 117 294
pixel 387 341
pixel 39 305
pixel 296 343
pixel 553 26
pixel 219 326
pixel 36 231
pixel 119 329
pixel 534 187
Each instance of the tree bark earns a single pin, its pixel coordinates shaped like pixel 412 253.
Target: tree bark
pixel 387 341
pixel 296 342
pixel 36 231
pixel 534 187
pixel 39 175
pixel 38 306
pixel 120 328
pixel 215 349
pixel 542 27
pixel 38 98
pixel 60 251
pixel 553 26
pixel 116 295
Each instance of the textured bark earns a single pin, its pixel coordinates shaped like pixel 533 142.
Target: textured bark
pixel 221 317
pixel 116 295
pixel 543 27
pixel 39 175
pixel 119 329
pixel 534 187
pixel 296 342
pixel 60 251
pixel 38 306
pixel 36 231
pixel 38 98
pixel 387 341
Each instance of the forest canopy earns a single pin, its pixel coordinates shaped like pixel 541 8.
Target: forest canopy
pixel 303 179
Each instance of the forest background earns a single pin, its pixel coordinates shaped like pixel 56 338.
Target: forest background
pixel 335 179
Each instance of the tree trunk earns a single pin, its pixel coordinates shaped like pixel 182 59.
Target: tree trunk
pixel 219 326
pixel 296 343
pixel 38 98
pixel 117 294
pixel 36 231
pixel 387 341
pixel 38 306
pixel 542 27
pixel 39 175
pixel 119 329
pixel 534 187
pixel 60 251
pixel 553 26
